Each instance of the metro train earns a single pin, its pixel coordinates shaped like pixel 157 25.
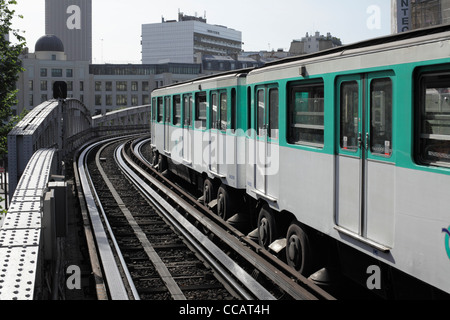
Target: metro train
pixel 342 157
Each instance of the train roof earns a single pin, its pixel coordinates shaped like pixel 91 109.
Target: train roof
pixel 366 44
pixel 214 76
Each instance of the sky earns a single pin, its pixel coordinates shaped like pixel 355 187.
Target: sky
pixel 265 24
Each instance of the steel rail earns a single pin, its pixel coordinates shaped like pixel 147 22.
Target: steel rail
pixel 114 280
pixel 296 286
pixel 160 266
pixel 246 285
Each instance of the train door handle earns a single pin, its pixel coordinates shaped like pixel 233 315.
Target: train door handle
pixel 367 141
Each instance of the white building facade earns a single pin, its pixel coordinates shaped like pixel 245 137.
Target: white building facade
pixel 186 40
pixel 45 66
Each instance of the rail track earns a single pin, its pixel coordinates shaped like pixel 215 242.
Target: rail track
pixel 158 242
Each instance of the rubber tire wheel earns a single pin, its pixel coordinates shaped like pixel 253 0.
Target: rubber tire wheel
pixel 209 192
pixel 225 207
pixel 267 227
pixel 298 250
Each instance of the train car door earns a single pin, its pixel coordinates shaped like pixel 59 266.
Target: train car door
pixel 187 124
pixel 266 144
pixel 218 128
pixel 365 167
pixel 167 122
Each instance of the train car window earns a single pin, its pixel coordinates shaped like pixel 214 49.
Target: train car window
pixel 233 109
pixel 249 111
pixel 381 117
pixel 177 110
pixel 433 114
pixel 154 109
pixel 160 109
pixel 187 110
pixel 223 111
pixel 168 110
pixel 306 114
pixel 273 114
pixel 261 105
pixel 349 116
pixel 200 110
pixel 214 107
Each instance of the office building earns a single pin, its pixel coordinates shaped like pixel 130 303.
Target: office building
pixel 119 86
pixel 187 40
pixel 415 14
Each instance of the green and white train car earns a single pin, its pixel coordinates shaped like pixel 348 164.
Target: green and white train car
pixel 196 133
pixel 346 154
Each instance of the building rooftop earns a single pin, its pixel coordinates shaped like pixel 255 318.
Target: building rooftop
pixel 49 43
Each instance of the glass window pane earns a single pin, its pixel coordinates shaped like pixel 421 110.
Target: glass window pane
pixel 434 115
pixel 168 109
pixel 381 117
pixel 176 110
pixel 273 113
pixel 223 111
pixel 306 114
pixel 213 111
pixel 200 108
pixel 160 109
pixel 187 110
pixel 349 116
pixel 261 112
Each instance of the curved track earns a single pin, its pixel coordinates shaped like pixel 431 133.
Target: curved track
pixel 126 248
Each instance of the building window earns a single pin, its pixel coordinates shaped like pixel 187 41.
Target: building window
pixel 109 100
pixel 54 57
pixel 145 86
pixel 121 86
pixel 43 72
pixel 134 100
pixel 108 85
pixel 81 85
pixel 69 85
pixel 134 86
pixel 98 86
pixel 69 73
pixel 44 85
pixel 44 97
pixel 98 100
pixel 57 73
pixel 30 85
pixel 145 99
pixel 31 100
pixel 121 100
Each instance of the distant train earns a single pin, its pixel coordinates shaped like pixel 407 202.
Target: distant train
pixel 345 154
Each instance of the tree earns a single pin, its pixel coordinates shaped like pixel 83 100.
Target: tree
pixel 10 69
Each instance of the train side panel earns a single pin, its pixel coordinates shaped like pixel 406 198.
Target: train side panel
pixel 363 184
